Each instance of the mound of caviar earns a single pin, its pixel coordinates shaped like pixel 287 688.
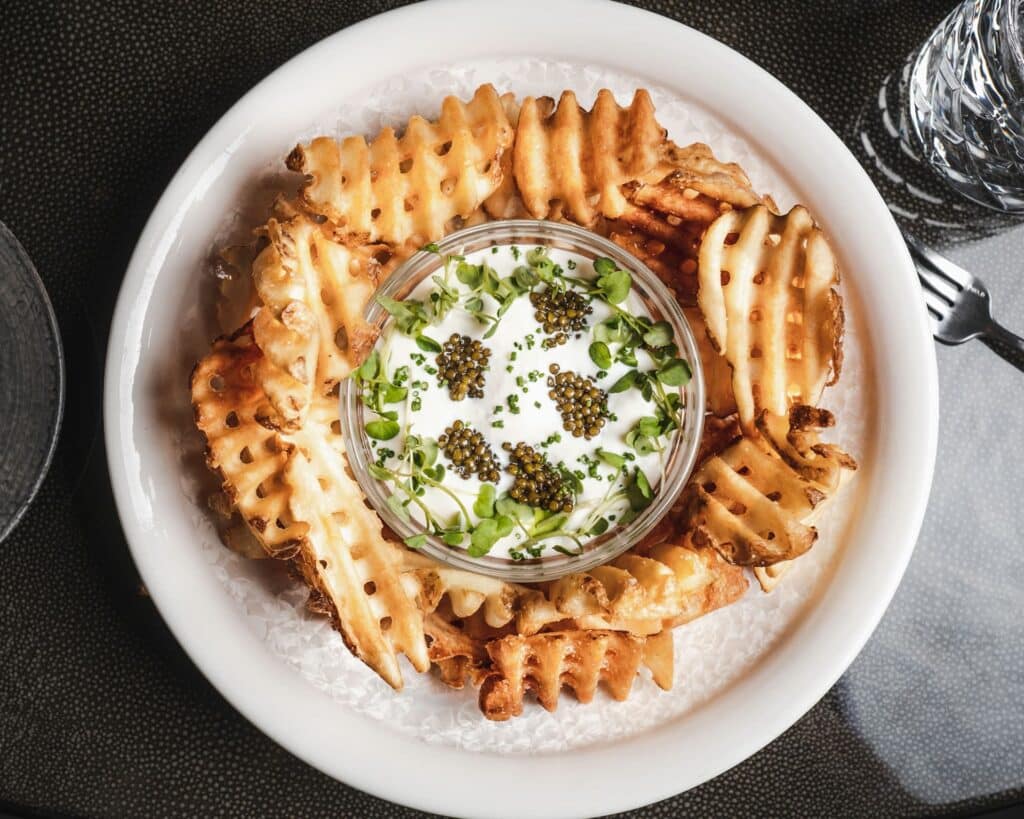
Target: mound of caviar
pixel 537 483
pixel 469 452
pixel 462 364
pixel 559 313
pixel 581 402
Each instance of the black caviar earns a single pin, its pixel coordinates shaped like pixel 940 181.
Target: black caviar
pixel 581 402
pixel 537 483
pixel 462 364
pixel 469 452
pixel 560 313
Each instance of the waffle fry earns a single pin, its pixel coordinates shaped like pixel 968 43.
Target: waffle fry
pixel 458 651
pixel 468 593
pixel 766 292
pixel 717 373
pixel 769 577
pixel 692 185
pixel 668 586
pixel 578 660
pixel 293 492
pixel 751 502
pixel 505 202
pixel 406 190
pixel 670 207
pixel 795 439
pixel 641 594
pixel 824 465
pixel 310 326
pixel 248 454
pixel 570 163
pixel 670 250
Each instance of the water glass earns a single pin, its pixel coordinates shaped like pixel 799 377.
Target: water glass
pixel 966 102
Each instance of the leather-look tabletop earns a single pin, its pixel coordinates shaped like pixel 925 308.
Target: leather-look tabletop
pixel 102 714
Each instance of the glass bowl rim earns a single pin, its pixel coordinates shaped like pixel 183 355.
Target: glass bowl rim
pixel 686 442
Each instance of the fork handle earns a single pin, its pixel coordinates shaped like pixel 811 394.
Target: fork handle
pixel 1005 344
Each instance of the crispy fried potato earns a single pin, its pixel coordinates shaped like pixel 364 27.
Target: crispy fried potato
pixel 824 465
pixel 691 184
pixel 579 660
pixel 249 455
pixel 795 439
pixel 767 295
pixel 670 251
pixel 406 190
pixel 310 327
pixel 292 490
pixel 769 577
pixel 670 585
pixel 469 593
pixel 670 207
pixel 752 501
pixel 717 373
pixel 642 594
pixel 505 202
pixel 570 163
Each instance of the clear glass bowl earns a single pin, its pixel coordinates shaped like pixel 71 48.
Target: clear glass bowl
pixel 682 455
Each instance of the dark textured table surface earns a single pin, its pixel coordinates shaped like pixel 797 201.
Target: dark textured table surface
pixel 102 714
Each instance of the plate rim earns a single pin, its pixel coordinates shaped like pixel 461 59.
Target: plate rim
pixel 430 785
pixel 58 418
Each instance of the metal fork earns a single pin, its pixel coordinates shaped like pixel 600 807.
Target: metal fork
pixel 960 305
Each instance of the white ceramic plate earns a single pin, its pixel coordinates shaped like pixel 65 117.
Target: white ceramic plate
pixel 148 360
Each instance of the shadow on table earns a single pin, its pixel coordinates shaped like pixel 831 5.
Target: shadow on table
pixel 916 195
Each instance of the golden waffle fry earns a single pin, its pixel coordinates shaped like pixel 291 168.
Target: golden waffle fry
pixel 670 585
pixel 766 292
pixel 294 493
pixel 505 202
pixel 642 594
pixel 578 660
pixel 250 456
pixel 795 439
pixel 403 190
pixel 469 593
pixel 310 327
pixel 670 250
pixel 751 502
pixel 769 577
pixel 717 373
pixel 571 163
pixel 691 184
pixel 670 207
pixel 824 465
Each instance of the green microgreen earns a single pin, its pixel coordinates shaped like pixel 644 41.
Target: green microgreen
pixel 600 355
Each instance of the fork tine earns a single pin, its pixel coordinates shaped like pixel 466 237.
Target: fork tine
pixel 937 284
pixel 936 304
pixel 940 264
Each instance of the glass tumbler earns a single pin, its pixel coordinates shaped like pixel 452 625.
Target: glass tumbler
pixel 966 102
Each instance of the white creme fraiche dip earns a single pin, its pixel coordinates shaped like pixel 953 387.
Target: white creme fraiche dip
pixel 613 470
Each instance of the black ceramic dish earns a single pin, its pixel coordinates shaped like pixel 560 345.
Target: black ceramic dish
pixel 31 381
